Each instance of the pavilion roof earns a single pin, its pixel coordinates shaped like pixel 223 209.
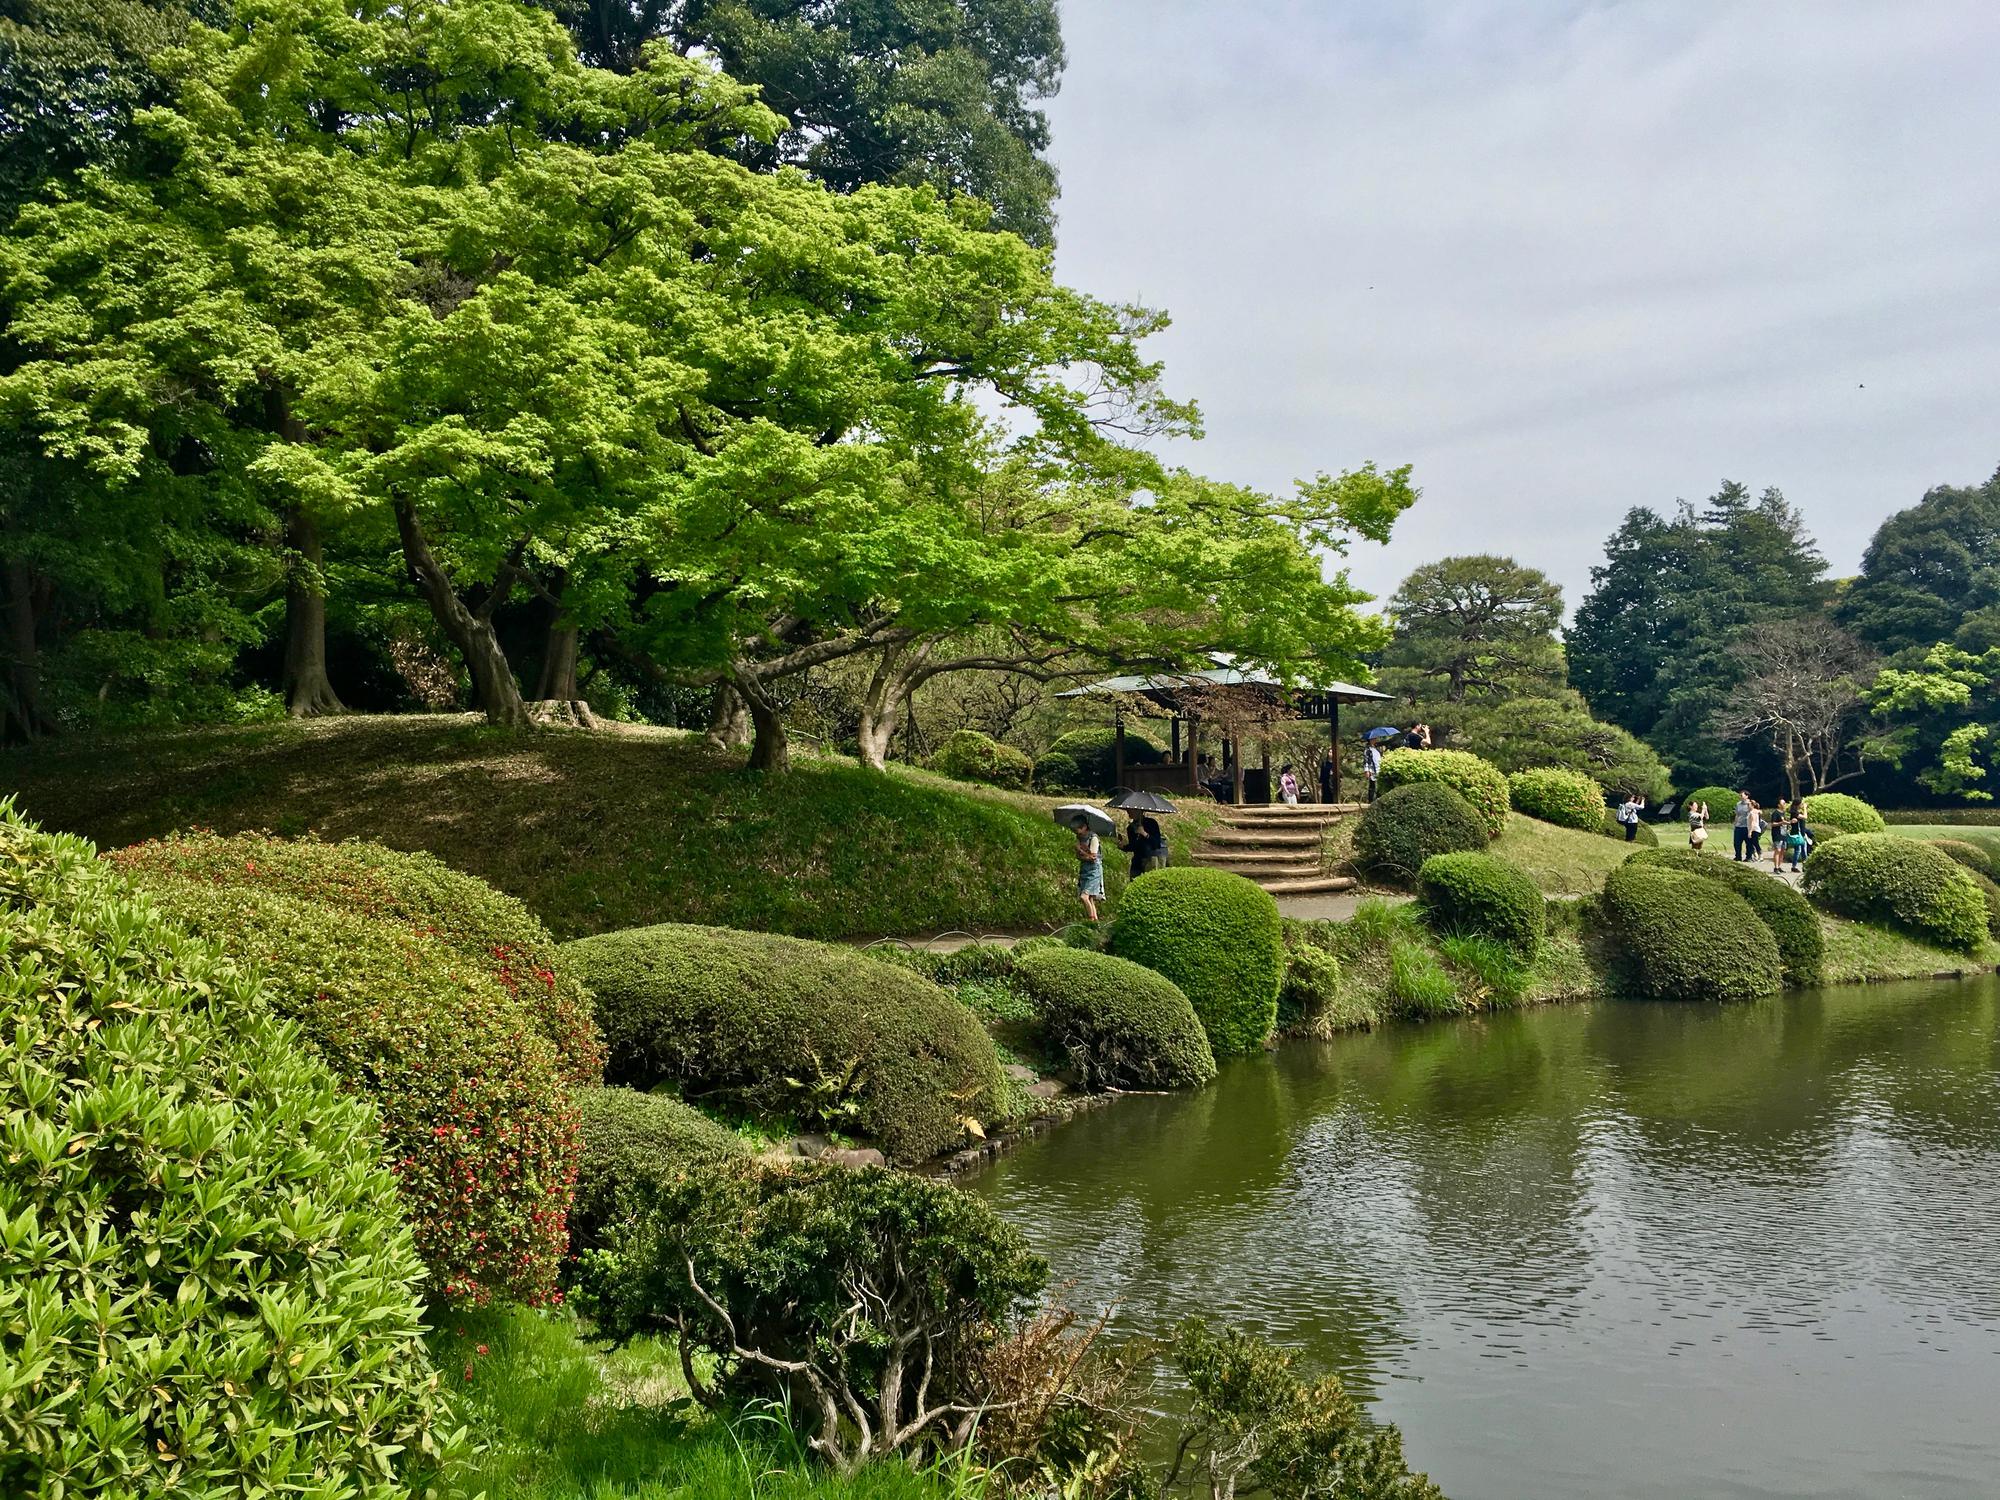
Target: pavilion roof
pixel 1162 686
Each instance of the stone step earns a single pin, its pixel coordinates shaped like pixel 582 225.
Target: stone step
pixel 1315 814
pixel 1248 857
pixel 1259 839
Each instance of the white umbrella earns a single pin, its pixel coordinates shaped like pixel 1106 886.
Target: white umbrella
pixel 1096 817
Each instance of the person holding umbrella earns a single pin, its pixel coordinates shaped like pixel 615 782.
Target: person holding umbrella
pixel 1087 822
pixel 1143 840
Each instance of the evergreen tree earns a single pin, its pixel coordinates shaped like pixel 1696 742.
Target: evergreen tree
pixel 1931 573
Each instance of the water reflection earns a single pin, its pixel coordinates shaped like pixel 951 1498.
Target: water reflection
pixel 1633 1249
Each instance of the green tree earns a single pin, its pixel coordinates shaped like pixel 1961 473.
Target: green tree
pixel 1931 573
pixel 1475 624
pixel 1944 714
pixel 906 92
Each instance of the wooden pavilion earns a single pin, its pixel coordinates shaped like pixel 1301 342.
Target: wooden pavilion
pixel 1178 693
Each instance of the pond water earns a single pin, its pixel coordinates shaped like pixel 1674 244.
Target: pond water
pixel 1620 1249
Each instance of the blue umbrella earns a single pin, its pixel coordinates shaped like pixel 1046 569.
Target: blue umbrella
pixel 1386 732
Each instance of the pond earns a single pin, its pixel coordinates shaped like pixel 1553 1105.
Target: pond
pixel 1619 1249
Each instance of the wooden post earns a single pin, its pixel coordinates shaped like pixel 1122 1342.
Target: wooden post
pixel 1264 743
pixel 1333 739
pixel 1235 768
pixel 1118 748
pixel 1174 725
pixel 1194 753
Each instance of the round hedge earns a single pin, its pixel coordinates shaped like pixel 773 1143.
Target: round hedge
pixel 1990 890
pixel 969 755
pixel 1122 1025
pixel 475 1104
pixel 1833 814
pixel 1479 782
pixel 1478 894
pixel 1215 935
pixel 1093 751
pixel 1963 852
pixel 414 891
pixel 1683 937
pixel 1402 828
pixel 1311 985
pixel 204 1282
pixel 1055 769
pixel 1883 877
pixel 1793 923
pixel 1721 802
pixel 633 1145
pixel 1569 799
pixel 791 1029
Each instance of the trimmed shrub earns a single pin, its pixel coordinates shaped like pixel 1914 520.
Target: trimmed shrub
pixel 635 1144
pixel 1311 987
pixel 1486 897
pixel 1402 828
pixel 969 755
pixel 1217 936
pixel 1721 802
pixel 1884 877
pixel 1055 769
pixel 1121 1024
pixel 1990 889
pixel 1094 753
pixel 1793 923
pixel 1970 855
pixel 1682 937
pixel 790 1029
pixel 1832 814
pixel 475 1106
pixel 1611 828
pixel 1479 782
pixel 203 1280
pixel 1569 799
pixel 416 891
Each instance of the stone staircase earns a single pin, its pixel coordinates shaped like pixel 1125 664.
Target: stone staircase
pixel 1276 846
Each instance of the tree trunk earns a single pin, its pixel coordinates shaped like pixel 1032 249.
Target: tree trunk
pixel 308 690
pixel 770 747
pixel 558 679
pixel 880 707
pixel 728 719
pixel 493 684
pixel 27 720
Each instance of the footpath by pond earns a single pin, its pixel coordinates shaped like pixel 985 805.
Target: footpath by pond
pixel 1622 1248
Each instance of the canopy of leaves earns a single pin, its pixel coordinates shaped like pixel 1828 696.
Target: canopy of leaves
pixel 1931 573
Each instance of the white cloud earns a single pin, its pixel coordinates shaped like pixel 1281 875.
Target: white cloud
pixel 1566 258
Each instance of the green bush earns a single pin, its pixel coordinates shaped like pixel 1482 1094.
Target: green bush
pixel 1793 923
pixel 1963 817
pixel 1487 897
pixel 1478 781
pixel 793 1030
pixel 1311 987
pixel 1990 890
pixel 204 1286
pixel 1569 799
pixel 1884 877
pixel 1217 936
pixel 1721 802
pixel 1402 828
pixel 1832 814
pixel 1970 855
pixel 474 1098
pixel 1055 769
pixel 1094 752
pixel 1122 1025
pixel 1611 828
pixel 414 891
pixel 634 1144
pixel 969 755
pixel 1682 937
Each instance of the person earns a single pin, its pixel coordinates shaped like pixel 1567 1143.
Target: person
pixel 1628 814
pixel 1371 762
pixel 1799 843
pixel 1781 833
pixel 1145 843
pixel 1756 829
pixel 1742 824
pixel 1326 779
pixel 1419 737
pixel 1288 786
pixel 1156 843
pixel 1089 867
pixel 1697 825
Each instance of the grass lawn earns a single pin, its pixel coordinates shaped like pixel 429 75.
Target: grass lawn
pixel 1562 861
pixel 1858 950
pixel 595 831
pixel 1986 838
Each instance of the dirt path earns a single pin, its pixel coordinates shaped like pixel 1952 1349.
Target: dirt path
pixel 1334 907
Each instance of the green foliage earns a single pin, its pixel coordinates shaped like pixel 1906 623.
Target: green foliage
pixel 1941 709
pixel 1404 827
pixel 414 891
pixel 1793 923
pixel 1093 750
pixel 1568 799
pixel 1502 976
pixel 1469 625
pixel 1420 985
pixel 1479 782
pixel 1122 1025
pixel 791 1030
pixel 1990 889
pixel 1721 802
pixel 633 1144
pixel 1683 937
pixel 874 1290
pixel 1882 877
pixel 1922 577
pixel 1311 987
pixel 477 1119
pixel 1486 897
pixel 1972 856
pixel 1057 768
pixel 205 1286
pixel 1529 732
pixel 1830 814
pixel 969 755
pixel 1217 937
pixel 1255 1424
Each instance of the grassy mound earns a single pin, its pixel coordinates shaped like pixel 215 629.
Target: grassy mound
pixel 1683 937
pixel 1793 923
pixel 1121 1025
pixel 594 832
pixel 204 1285
pixel 1216 936
pixel 1881 877
pixel 791 1030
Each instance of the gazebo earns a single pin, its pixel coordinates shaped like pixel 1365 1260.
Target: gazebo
pixel 1172 691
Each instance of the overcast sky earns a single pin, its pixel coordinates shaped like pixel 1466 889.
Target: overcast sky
pixel 1564 257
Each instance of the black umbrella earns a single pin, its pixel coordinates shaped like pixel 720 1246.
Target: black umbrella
pixel 1130 801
